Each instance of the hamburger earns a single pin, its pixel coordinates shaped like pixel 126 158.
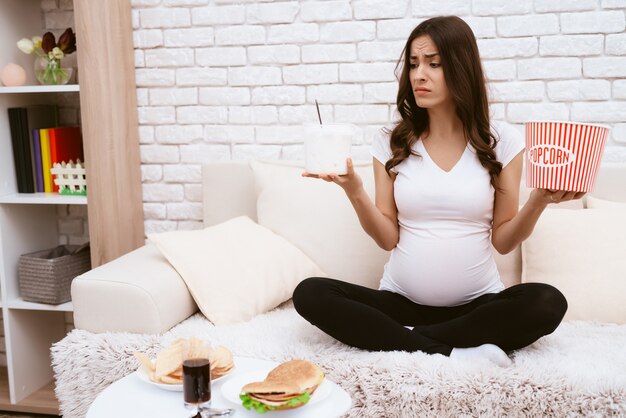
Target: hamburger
pixel 287 386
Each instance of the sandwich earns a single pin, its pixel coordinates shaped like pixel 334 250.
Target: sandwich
pixel 287 386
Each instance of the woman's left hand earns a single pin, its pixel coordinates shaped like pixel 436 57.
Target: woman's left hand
pixel 546 196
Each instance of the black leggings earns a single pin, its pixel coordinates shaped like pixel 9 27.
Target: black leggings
pixel 375 319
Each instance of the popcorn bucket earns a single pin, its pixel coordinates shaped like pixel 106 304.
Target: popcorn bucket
pixel 563 155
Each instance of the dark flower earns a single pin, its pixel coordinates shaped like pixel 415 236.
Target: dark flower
pixel 67 41
pixel 48 42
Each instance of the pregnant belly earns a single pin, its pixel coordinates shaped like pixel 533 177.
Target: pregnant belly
pixel 444 272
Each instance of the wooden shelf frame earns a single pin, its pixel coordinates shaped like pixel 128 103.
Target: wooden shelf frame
pixel 108 102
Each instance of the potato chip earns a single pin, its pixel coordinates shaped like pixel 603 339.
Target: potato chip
pixel 220 357
pixel 145 361
pixel 196 347
pixel 182 345
pixel 219 373
pixel 169 360
pixel 204 352
pixel 170 380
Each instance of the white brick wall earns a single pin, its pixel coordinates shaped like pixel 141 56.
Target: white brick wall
pixel 229 79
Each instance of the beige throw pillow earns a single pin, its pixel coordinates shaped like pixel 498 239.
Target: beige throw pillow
pixel 595 203
pixel 581 252
pixel 236 269
pixel 318 218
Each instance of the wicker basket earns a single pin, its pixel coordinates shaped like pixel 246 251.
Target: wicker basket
pixel 45 276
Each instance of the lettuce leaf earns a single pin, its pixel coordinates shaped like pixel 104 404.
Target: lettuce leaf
pixel 262 408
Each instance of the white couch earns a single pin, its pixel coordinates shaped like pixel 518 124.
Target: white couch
pixel 141 293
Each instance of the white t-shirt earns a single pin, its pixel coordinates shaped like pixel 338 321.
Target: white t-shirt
pixel 444 256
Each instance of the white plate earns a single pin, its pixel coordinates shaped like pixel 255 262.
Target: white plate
pixel 232 388
pixel 143 375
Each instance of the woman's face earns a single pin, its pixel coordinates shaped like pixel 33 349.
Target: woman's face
pixel 426 74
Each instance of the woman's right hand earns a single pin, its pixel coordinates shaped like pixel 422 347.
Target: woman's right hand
pixel 350 182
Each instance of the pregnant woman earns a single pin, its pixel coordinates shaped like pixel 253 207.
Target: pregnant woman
pixel 447 188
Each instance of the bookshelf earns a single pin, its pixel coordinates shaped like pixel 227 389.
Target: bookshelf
pixel 41 89
pixel 42 199
pixel 28 222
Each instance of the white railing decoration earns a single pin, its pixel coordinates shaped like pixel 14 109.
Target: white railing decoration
pixel 70 178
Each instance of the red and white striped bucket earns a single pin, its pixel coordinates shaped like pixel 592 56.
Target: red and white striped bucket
pixel 563 155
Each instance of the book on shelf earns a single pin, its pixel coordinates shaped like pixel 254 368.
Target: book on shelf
pixel 37 157
pixel 15 123
pixel 65 145
pixel 22 121
pixel 46 164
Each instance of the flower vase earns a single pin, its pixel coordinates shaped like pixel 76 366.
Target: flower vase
pixel 49 71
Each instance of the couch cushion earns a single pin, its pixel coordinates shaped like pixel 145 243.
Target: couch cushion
pixel 236 269
pixel 581 252
pixel 595 203
pixel 318 218
pixel 227 191
pixel 610 182
pixel 132 293
pixel 509 266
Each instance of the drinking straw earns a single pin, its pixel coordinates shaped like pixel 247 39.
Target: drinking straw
pixel 318 111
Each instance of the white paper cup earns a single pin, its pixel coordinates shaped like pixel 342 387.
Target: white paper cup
pixel 563 155
pixel 327 147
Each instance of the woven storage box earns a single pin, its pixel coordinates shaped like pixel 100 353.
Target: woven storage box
pixel 45 276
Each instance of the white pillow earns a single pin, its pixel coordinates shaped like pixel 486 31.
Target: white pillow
pixel 236 269
pixel 318 218
pixel 581 253
pixel 595 203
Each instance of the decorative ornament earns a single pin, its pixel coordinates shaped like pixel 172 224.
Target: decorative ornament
pixel 13 75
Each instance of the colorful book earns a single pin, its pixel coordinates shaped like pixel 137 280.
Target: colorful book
pixel 39 117
pixel 44 140
pixel 22 121
pixel 65 145
pixel 37 157
pixel 21 153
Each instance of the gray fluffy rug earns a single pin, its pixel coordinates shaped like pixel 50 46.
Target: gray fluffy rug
pixel 579 370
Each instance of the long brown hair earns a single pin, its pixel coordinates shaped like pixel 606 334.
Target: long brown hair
pixel 464 77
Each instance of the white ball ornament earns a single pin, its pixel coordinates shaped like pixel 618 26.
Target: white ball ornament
pixel 13 75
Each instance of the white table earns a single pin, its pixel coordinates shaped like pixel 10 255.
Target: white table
pixel 132 397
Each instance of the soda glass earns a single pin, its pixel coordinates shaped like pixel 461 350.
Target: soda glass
pixel 197 383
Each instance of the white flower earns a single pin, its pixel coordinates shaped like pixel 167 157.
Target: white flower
pixel 57 53
pixel 37 41
pixel 26 46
